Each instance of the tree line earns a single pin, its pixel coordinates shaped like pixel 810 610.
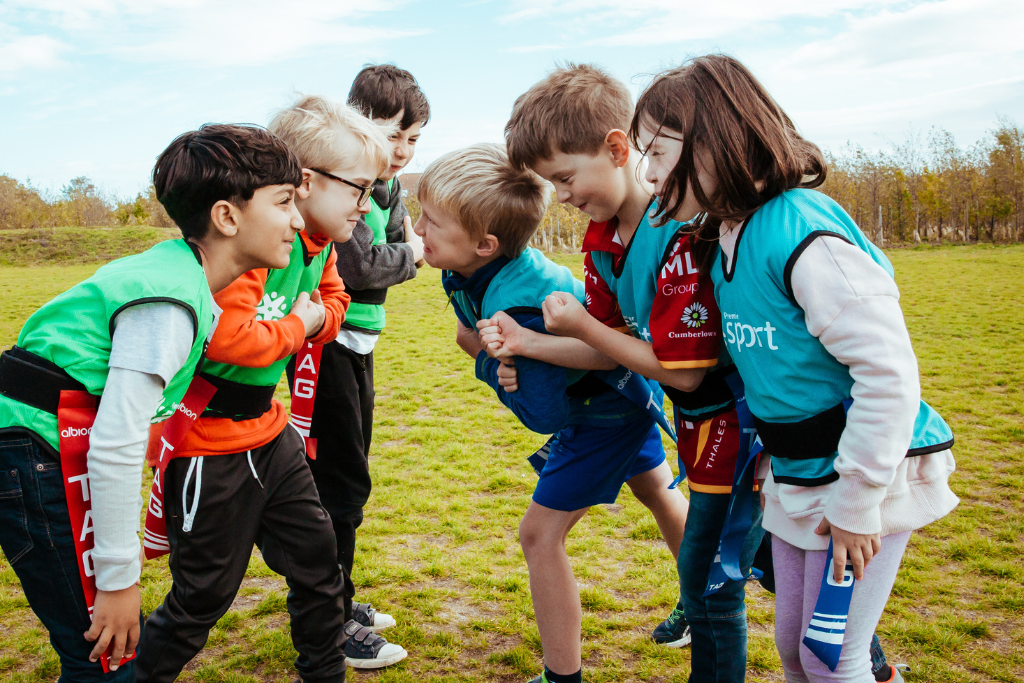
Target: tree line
pixel 925 188
pixel 929 188
pixel 79 203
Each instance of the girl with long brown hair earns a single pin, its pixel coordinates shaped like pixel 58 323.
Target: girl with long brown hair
pixel 811 317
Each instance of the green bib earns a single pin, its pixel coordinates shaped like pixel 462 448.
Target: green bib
pixel 282 288
pixel 74 330
pixel 371 316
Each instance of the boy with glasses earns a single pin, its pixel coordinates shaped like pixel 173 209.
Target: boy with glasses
pixel 240 477
pixel 382 252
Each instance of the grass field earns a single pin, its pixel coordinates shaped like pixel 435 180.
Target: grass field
pixel 439 551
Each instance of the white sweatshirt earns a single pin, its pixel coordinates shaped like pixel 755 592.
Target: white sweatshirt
pixel 852 306
pixel 151 343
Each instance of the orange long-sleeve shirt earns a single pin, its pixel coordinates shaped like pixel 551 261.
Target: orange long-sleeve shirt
pixel 242 340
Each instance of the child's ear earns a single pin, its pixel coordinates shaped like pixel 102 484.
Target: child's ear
pixel 618 146
pixel 224 217
pixel 303 190
pixel 488 246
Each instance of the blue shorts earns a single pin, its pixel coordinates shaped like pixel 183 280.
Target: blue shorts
pixel 588 464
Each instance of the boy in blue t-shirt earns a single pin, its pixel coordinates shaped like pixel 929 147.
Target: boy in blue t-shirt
pixel 478 214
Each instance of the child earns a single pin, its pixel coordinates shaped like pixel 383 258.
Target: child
pixel 382 252
pixel 812 319
pixel 640 279
pixel 243 467
pixel 132 333
pixel 478 215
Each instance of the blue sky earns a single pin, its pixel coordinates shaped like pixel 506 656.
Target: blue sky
pixel 99 87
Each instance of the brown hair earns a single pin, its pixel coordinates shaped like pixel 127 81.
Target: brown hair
pixel 381 91
pixel 570 111
pixel 478 187
pixel 724 115
pixel 219 162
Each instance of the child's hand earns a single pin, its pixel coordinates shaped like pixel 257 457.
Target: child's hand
pixel 468 340
pixel 501 336
pixel 563 314
pixel 859 548
pixel 508 376
pixel 115 624
pixel 414 241
pixel 310 310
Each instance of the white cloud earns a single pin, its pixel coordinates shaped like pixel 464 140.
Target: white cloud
pixel 950 63
pixel 210 32
pixel 29 52
pixel 925 37
pixel 659 22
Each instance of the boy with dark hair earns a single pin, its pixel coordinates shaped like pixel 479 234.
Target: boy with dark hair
pixel 383 251
pixel 243 467
pixel 479 212
pixel 132 333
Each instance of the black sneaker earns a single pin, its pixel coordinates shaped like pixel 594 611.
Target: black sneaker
pixel 674 631
pixel 364 649
pixel 364 614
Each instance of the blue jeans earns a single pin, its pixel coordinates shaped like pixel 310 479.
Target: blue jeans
pixel 718 623
pixel 35 534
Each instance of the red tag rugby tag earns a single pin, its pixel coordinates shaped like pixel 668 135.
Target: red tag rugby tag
pixel 307 370
pixel 175 428
pixel 76 413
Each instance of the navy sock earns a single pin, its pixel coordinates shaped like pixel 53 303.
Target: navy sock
pixel 879 666
pixel 563 678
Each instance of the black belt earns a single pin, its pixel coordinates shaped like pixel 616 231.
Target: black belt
pixel 817 436
pixel 33 380
pixel 713 391
pixel 375 297
pixel 236 400
pixel 587 386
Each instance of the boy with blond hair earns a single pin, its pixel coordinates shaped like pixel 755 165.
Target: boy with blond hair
pixel 241 477
pixel 382 253
pixel 479 212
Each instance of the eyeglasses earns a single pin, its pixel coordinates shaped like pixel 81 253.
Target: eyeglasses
pixel 364 192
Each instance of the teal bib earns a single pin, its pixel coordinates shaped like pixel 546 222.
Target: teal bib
pixel 789 375
pixel 521 285
pixel 634 284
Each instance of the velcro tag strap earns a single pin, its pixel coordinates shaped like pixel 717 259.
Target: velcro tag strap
pixel 816 437
pixel 33 380
pixel 236 400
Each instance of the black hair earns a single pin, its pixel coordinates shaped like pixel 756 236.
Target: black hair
pixel 380 91
pixel 219 162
